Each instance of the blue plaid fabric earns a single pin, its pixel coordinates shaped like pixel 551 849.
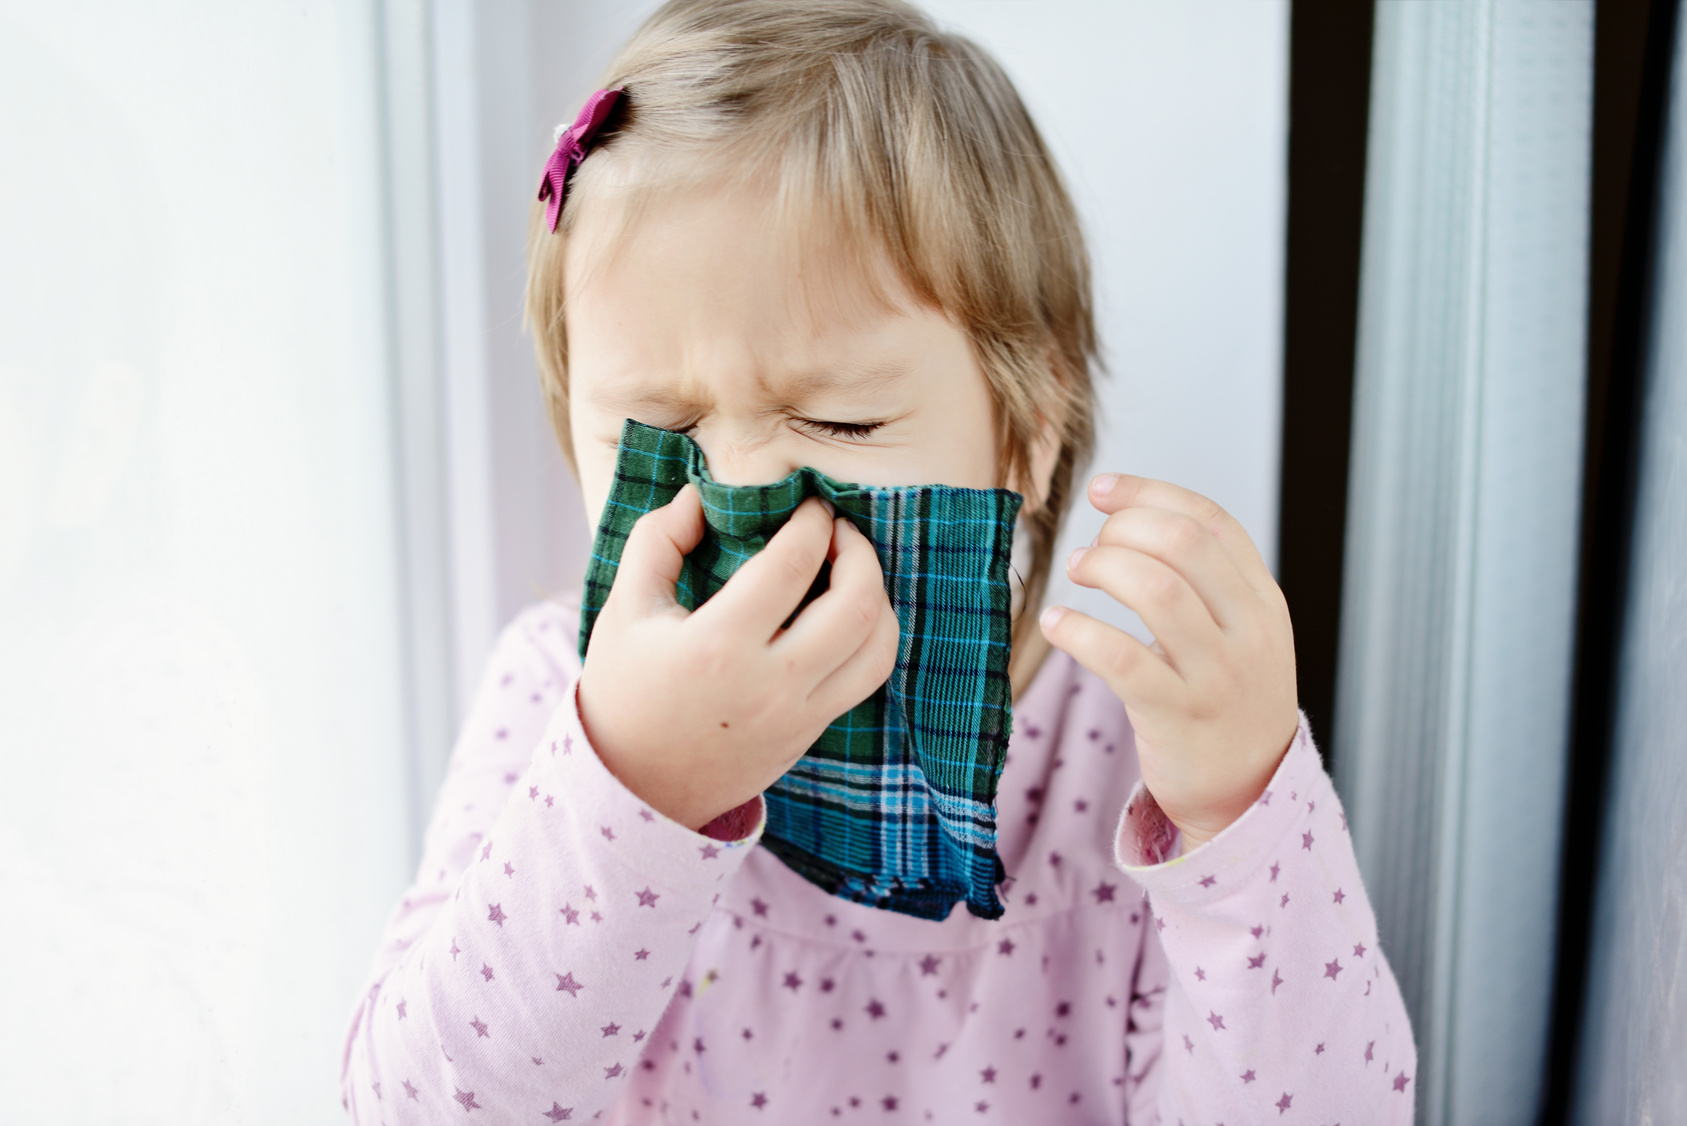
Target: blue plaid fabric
pixel 894 805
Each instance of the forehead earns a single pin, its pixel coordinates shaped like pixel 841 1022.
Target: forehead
pixel 728 273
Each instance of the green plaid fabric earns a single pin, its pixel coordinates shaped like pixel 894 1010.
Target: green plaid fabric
pixel 894 806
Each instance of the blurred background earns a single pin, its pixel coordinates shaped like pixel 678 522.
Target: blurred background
pixel 1399 284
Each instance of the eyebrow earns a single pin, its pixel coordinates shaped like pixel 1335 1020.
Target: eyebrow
pixel 795 388
pixel 633 402
pixel 861 379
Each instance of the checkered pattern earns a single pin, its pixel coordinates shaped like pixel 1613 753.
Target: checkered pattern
pixel 894 806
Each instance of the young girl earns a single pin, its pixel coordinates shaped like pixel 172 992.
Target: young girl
pixel 828 236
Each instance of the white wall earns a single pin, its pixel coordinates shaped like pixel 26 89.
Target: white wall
pixel 202 815
pixel 1171 123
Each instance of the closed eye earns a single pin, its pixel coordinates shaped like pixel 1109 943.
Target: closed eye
pixel 847 430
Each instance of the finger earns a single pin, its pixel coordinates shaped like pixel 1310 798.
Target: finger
pixel 1135 674
pixel 655 551
pixel 864 672
pixel 1188 548
pixel 1165 601
pixel 833 626
pixel 761 595
pixel 1114 492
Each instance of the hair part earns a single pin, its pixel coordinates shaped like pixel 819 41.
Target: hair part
pixel 914 146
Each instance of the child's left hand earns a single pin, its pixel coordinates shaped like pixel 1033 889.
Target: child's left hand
pixel 1213 703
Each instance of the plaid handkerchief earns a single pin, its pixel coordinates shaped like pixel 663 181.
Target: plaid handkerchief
pixel 894 806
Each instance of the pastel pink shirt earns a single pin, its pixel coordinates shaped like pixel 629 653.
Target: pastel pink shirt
pixel 568 954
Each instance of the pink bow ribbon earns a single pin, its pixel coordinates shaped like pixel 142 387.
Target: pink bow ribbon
pixel 570 150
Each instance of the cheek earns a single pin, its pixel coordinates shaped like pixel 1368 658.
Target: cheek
pixel 594 465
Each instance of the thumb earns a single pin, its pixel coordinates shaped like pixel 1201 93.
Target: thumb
pixel 655 552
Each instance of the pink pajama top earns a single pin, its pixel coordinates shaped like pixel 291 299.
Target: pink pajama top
pixel 568 954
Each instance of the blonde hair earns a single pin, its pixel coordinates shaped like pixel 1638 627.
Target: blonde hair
pixel 914 143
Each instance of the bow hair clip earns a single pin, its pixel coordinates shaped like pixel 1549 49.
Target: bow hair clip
pixel 571 145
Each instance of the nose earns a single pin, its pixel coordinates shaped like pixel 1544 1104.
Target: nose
pixel 738 457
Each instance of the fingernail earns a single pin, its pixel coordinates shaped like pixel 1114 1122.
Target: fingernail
pixel 1052 615
pixel 1072 560
pixel 1103 485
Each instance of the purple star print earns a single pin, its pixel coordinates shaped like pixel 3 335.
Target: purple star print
pixel 612 1072
pixel 495 913
pixel 479 1027
pixel 1248 1076
pixel 559 1113
pixel 467 1099
pixel 1400 1081
pixel 647 898
pixel 1283 1103
pixel 611 1029
pixel 566 983
pixel 409 1089
pixel 929 964
pixel 486 971
pixel 875 1009
pixel 570 915
pixel 1332 969
pixel 758 1100
pixel 1216 1021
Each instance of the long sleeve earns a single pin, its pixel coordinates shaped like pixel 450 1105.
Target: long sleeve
pixel 550 923
pixel 1279 1004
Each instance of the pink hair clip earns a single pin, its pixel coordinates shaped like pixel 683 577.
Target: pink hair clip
pixel 571 145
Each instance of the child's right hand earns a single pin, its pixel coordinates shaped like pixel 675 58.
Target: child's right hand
pixel 699 711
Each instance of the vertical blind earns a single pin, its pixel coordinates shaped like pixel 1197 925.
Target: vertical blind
pixel 1458 602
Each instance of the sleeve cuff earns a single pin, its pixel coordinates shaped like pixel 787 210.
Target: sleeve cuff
pixel 1148 846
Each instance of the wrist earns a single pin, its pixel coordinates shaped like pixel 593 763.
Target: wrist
pixel 653 777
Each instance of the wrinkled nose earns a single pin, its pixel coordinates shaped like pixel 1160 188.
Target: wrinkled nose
pixel 746 458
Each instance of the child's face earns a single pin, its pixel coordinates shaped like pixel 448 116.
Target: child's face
pixel 703 318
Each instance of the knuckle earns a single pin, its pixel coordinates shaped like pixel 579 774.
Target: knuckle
pixel 1121 657
pixel 796 565
pixel 1208 511
pixel 1182 536
pixel 862 611
pixel 1161 588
